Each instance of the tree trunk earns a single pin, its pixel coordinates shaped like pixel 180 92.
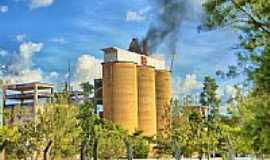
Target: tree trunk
pixel 83 151
pixel 130 152
pixel 178 154
pixel 95 149
pixel 47 151
pixel 129 149
pixel 4 154
pixel 200 155
pixel 262 155
pixel 3 151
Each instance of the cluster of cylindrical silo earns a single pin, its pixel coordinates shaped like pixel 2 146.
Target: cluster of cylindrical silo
pixel 137 97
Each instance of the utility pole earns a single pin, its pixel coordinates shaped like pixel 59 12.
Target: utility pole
pixel 69 77
pixel 172 61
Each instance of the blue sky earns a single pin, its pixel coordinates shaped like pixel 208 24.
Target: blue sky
pixel 39 37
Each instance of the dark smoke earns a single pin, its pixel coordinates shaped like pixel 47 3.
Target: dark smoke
pixel 170 14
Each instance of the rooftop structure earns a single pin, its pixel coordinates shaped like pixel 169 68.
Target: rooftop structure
pixel 114 54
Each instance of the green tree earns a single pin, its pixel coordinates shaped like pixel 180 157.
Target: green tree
pixel 90 124
pixel 97 133
pixel 53 132
pixel 188 134
pixel 233 140
pixel 252 19
pixel 255 123
pixel 209 96
pixel 87 88
pixel 8 136
pixel 111 142
pixel 210 99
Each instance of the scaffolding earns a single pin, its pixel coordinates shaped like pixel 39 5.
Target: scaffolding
pixel 27 95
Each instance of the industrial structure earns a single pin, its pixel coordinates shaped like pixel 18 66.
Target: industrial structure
pixel 28 97
pixel 136 90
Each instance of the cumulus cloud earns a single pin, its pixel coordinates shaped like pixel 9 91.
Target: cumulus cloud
pixel 28 49
pixel 3 52
pixel 24 76
pixel 21 70
pixel 227 92
pixel 134 16
pixel 186 86
pixel 21 67
pixel 3 9
pixel 137 16
pixel 40 3
pixel 53 77
pixel 231 91
pixel 59 40
pixel 20 37
pixel 88 68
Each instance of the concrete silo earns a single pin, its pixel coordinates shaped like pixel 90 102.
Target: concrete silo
pixel 147 100
pixel 163 98
pixel 107 90
pixel 120 94
pixel 136 91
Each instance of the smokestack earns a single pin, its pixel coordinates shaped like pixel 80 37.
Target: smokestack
pixel 134 46
pixel 145 47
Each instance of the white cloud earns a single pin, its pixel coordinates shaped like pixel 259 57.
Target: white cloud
pixel 135 16
pixel 88 68
pixel 28 49
pixel 21 69
pixel 20 37
pixel 40 3
pixel 226 92
pixel 3 52
pixel 3 9
pixel 54 74
pixel 24 76
pixel 59 40
pixel 53 77
pixel 186 86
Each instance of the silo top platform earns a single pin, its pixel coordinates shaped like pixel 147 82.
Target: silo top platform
pixel 114 54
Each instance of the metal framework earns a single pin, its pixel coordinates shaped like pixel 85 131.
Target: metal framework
pixel 27 95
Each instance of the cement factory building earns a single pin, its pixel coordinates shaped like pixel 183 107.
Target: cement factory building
pixel 136 91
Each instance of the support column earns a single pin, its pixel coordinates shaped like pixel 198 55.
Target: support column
pixel 52 95
pixel 4 105
pixel 35 99
pixel 21 100
pixel 3 154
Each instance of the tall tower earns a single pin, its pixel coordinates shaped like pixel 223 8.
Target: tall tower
pixel 147 100
pixel 120 94
pixel 163 100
